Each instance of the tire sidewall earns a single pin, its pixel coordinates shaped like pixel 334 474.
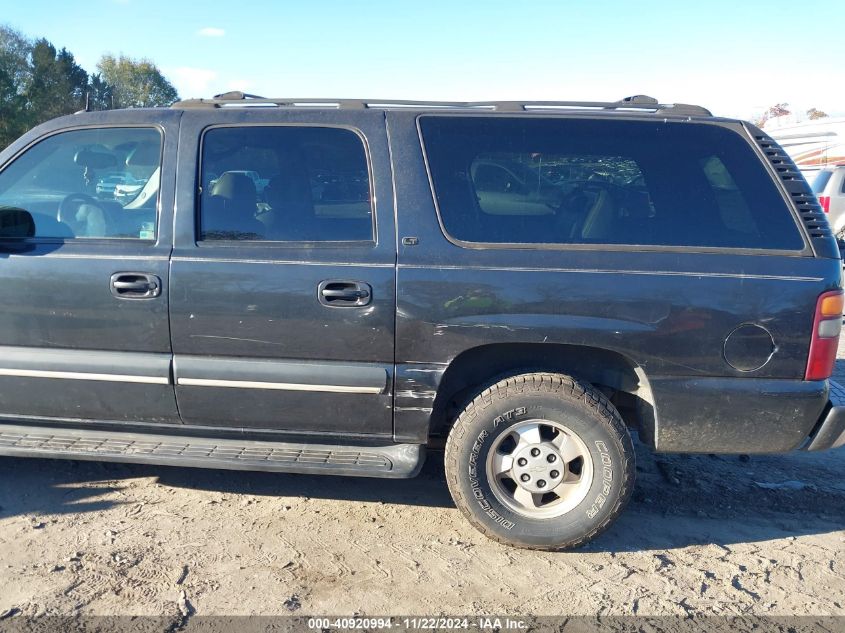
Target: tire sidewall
pixel 608 489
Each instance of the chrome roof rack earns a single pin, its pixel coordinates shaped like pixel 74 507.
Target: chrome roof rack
pixel 637 103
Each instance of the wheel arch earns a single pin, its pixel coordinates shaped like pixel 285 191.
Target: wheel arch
pixel 617 375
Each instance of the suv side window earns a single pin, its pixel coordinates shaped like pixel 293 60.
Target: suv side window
pixel 501 180
pixel 85 183
pixel 284 184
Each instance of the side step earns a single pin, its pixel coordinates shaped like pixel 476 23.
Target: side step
pixel 394 461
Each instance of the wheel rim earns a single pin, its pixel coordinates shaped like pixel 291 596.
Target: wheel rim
pixel 539 469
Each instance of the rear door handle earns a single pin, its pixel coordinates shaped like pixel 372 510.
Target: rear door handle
pixel 135 285
pixel 344 294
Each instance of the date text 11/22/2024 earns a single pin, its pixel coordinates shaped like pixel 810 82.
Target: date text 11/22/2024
pixel 484 623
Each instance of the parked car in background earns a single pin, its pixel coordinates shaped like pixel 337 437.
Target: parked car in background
pixel 125 192
pixel 107 185
pixel 829 186
pixel 812 145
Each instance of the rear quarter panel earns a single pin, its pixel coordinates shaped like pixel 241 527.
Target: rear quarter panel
pixel 669 313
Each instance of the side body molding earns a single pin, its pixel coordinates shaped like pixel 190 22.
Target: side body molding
pixel 202 371
pixel 38 382
pixel 69 364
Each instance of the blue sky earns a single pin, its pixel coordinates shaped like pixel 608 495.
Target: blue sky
pixel 734 56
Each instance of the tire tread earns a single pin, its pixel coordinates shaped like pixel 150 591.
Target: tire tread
pixel 593 400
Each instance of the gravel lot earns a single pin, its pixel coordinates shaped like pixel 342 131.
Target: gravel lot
pixel 703 535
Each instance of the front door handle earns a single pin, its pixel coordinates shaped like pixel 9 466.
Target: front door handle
pixel 344 294
pixel 135 285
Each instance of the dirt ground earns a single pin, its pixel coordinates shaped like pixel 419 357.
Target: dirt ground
pixel 702 536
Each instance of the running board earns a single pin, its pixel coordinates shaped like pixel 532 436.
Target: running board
pixel 394 461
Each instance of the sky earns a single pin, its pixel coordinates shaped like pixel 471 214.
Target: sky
pixel 736 57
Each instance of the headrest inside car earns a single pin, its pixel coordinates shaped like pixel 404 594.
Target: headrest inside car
pixel 144 155
pixel 93 159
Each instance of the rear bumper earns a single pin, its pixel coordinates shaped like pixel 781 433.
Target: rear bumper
pixel 830 432
pixel 737 415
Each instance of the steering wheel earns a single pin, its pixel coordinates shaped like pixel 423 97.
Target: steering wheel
pixel 69 213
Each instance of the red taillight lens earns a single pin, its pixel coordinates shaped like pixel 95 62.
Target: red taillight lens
pixel 825 202
pixel 826 327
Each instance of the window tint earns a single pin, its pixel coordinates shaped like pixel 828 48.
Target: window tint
pixel 821 180
pixel 284 184
pixel 580 181
pixel 92 183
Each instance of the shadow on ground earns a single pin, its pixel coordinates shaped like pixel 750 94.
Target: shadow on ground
pixel 678 501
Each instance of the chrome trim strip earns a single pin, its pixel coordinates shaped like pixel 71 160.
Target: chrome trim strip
pixel 153 258
pixel 279 262
pixel 282 386
pixel 602 271
pixel 75 375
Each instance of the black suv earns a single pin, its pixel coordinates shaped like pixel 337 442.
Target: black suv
pixel 328 287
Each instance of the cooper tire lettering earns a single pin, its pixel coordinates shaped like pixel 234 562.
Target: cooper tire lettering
pixel 476 488
pixel 481 490
pixel 509 416
pixel 607 479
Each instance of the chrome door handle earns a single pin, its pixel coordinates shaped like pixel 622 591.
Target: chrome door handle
pixel 135 285
pixel 344 294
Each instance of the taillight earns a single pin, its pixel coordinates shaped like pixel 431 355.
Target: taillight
pixel 825 202
pixel 826 327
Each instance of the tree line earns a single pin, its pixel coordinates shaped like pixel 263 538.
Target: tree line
pixel 39 82
pixel 782 109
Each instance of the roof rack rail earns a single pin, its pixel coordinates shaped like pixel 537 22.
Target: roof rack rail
pixel 636 103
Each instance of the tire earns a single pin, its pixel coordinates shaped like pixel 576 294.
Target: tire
pixel 554 508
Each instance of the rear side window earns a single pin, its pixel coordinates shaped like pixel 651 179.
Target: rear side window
pixel 87 183
pixel 821 180
pixel 579 181
pixel 284 184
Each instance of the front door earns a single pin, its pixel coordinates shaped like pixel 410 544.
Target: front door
pixel 282 280
pixel 84 331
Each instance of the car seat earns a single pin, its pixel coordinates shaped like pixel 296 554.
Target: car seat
pixel 229 211
pixel 291 215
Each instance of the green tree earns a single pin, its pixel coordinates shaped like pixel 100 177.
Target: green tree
pixel 57 84
pixel 136 83
pixel 815 113
pixel 14 74
pixel 100 94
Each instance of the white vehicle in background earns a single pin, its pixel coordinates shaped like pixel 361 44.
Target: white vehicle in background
pixel 818 149
pixel 125 192
pixel 107 185
pixel 829 186
pixel 813 145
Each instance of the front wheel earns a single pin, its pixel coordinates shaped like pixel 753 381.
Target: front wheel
pixel 541 461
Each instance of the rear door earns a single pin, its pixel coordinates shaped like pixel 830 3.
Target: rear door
pixel 283 296
pixel 84 331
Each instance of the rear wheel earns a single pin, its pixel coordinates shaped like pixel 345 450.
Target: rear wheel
pixel 540 460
